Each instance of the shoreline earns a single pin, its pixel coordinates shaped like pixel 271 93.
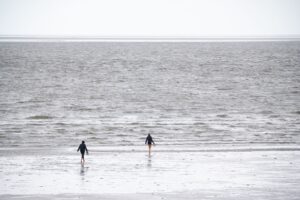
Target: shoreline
pixel 188 195
pixel 20 150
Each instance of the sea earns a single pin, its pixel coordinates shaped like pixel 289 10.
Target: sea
pixel 185 94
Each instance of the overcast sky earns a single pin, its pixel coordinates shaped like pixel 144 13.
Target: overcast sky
pixel 149 17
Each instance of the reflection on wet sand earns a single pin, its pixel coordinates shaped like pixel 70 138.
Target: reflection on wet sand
pixel 83 171
pixel 149 163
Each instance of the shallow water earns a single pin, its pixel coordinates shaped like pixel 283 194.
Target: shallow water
pixel 228 175
pixel 189 94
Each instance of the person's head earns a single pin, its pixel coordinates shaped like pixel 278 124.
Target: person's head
pixel 82 142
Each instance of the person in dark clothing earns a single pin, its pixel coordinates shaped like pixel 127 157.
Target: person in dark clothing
pixel 82 147
pixel 149 141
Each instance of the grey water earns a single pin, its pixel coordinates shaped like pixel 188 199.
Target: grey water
pixel 115 93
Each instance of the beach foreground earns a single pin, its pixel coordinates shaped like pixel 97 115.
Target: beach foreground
pixel 191 174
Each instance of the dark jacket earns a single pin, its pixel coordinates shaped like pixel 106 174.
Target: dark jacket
pixel 82 148
pixel 149 140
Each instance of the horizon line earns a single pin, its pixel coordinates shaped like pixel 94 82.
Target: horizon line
pixel 152 36
pixel 145 38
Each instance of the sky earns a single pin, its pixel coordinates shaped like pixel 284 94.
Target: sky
pixel 175 18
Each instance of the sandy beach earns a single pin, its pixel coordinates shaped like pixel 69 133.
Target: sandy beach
pixel 238 173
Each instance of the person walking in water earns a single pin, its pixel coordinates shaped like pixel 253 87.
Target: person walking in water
pixel 82 147
pixel 150 141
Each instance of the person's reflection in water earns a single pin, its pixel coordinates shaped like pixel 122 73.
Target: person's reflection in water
pixel 83 171
pixel 149 164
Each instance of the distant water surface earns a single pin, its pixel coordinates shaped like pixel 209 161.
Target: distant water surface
pixel 193 94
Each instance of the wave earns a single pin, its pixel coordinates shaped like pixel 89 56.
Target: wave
pixel 224 88
pixel 297 112
pixel 222 116
pixel 37 117
pixel 30 101
pixel 254 149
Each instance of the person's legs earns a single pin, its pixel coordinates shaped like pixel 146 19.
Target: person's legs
pixel 82 157
pixel 149 145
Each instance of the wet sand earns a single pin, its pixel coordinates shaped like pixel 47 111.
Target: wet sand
pixel 198 174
